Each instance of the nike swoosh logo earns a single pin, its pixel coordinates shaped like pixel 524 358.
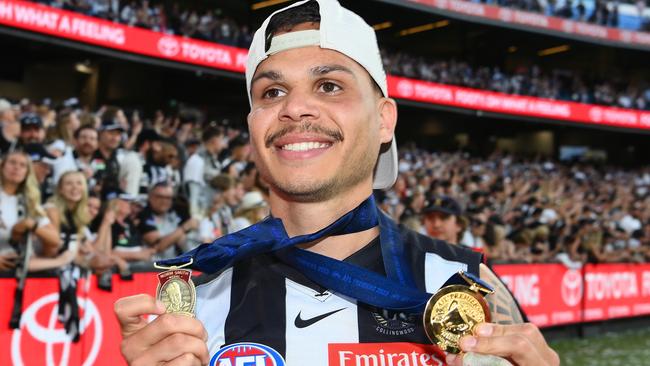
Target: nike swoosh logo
pixel 304 323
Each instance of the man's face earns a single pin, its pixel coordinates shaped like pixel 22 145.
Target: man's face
pixel 161 199
pixel 110 139
pixel 32 135
pixel 440 225
pixel 316 123
pixel 87 142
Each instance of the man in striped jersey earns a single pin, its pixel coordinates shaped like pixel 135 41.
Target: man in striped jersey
pixel 322 136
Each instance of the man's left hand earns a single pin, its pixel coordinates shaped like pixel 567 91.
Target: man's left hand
pixel 521 344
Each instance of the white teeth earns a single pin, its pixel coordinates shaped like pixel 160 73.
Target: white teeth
pixel 305 146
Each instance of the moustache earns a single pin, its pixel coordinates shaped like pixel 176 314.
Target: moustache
pixel 305 127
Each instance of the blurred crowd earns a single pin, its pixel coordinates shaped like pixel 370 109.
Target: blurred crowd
pixel 215 26
pixel 210 24
pixel 109 191
pixel 601 12
pixel 525 210
pixel 531 81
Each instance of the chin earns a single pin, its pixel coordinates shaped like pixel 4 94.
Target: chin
pixel 306 190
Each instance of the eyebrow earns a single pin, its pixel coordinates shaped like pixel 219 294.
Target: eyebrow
pixel 272 75
pixel 326 69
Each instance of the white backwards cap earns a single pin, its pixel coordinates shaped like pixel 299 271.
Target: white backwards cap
pixel 343 31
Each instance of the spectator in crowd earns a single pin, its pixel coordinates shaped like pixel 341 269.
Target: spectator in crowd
pixel 124 235
pixel 42 162
pixel 68 213
pixel 9 127
pixel 238 155
pixel 253 209
pixel 162 227
pixel 62 135
pixel 443 219
pixel 20 208
pixel 31 129
pixel 202 167
pixel 154 165
pixel 226 187
pixel 85 147
pixel 105 160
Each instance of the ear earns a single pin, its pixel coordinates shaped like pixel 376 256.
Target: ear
pixel 388 119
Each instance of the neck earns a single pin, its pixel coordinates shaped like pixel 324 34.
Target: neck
pixel 70 205
pixel 84 157
pixel 105 151
pixel 10 188
pixel 301 218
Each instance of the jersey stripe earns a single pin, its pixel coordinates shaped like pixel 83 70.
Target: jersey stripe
pixel 212 305
pixel 438 270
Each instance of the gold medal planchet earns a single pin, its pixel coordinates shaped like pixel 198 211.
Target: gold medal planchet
pixel 176 290
pixel 452 313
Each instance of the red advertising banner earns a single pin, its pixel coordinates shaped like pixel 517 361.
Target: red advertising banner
pixel 77 27
pixel 81 28
pixel 41 339
pixel 455 96
pixel 616 290
pixel 552 294
pixel 540 21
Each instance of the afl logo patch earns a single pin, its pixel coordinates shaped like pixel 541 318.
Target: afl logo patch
pixel 247 354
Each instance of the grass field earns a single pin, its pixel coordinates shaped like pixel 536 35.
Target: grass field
pixel 630 348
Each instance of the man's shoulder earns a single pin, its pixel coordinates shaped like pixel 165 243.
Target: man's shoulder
pixel 425 244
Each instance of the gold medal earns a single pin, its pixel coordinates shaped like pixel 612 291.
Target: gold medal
pixel 176 289
pixel 454 311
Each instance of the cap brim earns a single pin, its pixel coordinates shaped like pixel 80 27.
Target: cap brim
pixel 386 169
pixel 439 209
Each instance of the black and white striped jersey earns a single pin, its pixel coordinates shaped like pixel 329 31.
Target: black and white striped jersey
pixel 262 307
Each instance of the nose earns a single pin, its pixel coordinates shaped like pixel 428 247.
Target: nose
pixel 298 106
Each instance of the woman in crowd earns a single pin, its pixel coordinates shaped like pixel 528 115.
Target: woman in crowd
pixel 21 212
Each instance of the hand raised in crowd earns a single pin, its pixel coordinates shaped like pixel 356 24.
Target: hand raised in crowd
pixel 170 339
pixel 8 261
pixel 521 344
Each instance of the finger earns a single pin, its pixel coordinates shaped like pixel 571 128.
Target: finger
pixel 515 347
pixel 186 359
pixel 164 326
pixel 171 348
pixel 528 330
pixel 129 311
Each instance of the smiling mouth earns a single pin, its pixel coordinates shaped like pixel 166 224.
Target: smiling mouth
pixel 305 146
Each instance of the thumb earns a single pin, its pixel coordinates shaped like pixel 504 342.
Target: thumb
pixel 131 311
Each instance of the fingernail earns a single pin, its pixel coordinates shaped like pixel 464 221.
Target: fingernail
pixel 468 343
pixel 451 358
pixel 161 306
pixel 484 329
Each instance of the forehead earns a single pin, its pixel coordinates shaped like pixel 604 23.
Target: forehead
pixel 308 59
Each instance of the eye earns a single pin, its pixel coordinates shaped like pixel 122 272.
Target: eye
pixel 329 87
pixel 273 93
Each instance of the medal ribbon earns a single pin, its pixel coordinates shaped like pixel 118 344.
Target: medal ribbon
pixel 397 291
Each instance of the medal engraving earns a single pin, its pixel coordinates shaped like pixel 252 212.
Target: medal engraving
pixel 176 291
pixel 453 312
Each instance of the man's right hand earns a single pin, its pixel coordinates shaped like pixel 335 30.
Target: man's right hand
pixel 170 339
